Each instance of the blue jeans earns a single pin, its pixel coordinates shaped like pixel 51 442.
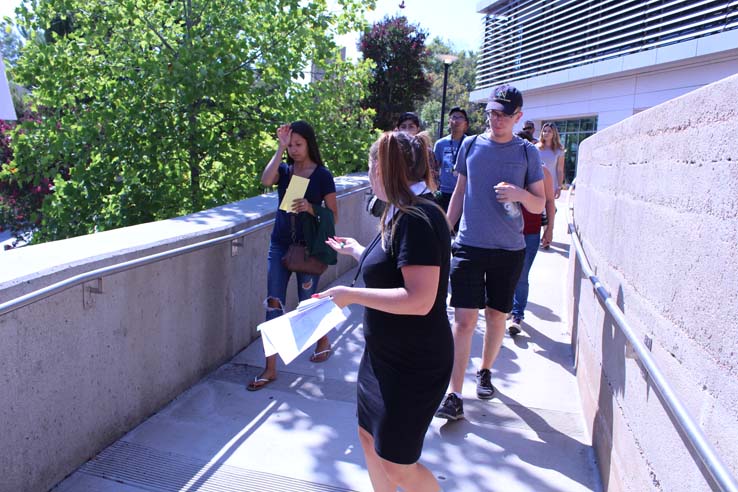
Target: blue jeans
pixel 278 277
pixel 521 290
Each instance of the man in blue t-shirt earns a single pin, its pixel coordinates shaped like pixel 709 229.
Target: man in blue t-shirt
pixel 497 174
pixel 446 150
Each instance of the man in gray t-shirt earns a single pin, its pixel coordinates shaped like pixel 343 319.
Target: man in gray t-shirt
pixel 498 173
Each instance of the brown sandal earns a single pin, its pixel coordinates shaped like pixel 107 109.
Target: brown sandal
pixel 321 356
pixel 258 383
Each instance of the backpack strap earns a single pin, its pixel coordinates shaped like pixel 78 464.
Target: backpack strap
pixel 471 144
pixel 468 148
pixel 527 162
pixel 363 257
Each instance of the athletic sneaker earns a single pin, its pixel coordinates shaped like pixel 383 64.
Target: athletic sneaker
pixel 514 327
pixel 485 390
pixel 452 408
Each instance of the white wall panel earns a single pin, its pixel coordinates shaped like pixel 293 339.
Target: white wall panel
pixel 639 60
pixel 717 42
pixel 675 52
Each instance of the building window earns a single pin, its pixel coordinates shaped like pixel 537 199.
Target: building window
pixel 572 132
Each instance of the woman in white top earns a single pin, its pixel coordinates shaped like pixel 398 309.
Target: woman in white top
pixel 552 155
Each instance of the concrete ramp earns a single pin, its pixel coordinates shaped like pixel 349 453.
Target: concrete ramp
pixel 300 432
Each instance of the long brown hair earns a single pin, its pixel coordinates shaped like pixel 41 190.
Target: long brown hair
pixel 401 160
pixel 555 139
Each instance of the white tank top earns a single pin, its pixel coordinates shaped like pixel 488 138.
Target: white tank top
pixel 549 158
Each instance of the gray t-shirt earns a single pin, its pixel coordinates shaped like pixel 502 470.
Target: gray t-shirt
pixel 549 158
pixel 484 222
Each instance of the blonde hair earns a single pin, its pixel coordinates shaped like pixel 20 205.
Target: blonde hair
pixel 555 140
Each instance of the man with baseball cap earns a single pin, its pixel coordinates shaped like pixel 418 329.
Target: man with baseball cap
pixel 527 132
pixel 497 174
pixel 409 123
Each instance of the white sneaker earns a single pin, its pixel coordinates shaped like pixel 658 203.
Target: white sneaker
pixel 514 327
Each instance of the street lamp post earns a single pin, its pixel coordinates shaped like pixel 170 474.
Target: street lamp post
pixel 447 60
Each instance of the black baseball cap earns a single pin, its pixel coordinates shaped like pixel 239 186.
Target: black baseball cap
pixel 505 98
pixel 408 116
pixel 457 109
pixel 528 124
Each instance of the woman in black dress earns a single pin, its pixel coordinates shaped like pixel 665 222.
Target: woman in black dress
pixel 409 347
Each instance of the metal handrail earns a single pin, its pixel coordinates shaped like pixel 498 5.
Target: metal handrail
pixel 68 283
pixel 62 285
pixel 695 437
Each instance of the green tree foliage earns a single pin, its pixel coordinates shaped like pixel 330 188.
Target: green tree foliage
pixel 399 80
pixel 461 82
pixel 157 108
pixel 19 202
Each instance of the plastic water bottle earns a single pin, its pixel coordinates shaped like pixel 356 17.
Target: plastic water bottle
pixel 512 209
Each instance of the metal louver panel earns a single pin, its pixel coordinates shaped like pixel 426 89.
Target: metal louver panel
pixel 527 38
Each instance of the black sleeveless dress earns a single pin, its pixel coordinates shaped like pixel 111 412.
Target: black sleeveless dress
pixel 407 361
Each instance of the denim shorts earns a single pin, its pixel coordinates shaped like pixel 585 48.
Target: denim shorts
pixel 483 277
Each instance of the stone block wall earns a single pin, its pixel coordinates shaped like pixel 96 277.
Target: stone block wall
pixel 656 208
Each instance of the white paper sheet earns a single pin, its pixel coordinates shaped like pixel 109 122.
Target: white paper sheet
pixel 291 334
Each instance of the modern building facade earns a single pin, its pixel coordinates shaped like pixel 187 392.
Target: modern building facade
pixel 589 64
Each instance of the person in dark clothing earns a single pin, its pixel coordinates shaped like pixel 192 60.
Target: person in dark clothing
pixel 408 123
pixel 303 159
pixel 529 128
pixel 409 352
pixel 445 152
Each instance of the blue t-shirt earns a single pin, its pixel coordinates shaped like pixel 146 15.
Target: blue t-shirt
pixel 320 184
pixel 484 221
pixel 446 150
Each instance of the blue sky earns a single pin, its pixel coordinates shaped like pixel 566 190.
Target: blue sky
pixel 454 21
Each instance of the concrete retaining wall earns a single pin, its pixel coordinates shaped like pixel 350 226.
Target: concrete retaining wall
pixel 656 210
pixel 74 377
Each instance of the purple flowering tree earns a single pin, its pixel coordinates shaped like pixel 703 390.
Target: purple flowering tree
pixel 400 77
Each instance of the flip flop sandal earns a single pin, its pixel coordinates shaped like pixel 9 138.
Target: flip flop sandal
pixel 258 383
pixel 321 356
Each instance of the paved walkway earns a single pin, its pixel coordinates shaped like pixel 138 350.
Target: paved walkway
pixel 299 433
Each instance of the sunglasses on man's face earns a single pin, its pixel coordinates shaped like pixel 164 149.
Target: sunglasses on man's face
pixel 528 129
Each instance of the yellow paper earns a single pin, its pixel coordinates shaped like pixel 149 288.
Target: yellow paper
pixel 296 189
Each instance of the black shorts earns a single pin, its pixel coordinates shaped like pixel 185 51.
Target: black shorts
pixel 484 277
